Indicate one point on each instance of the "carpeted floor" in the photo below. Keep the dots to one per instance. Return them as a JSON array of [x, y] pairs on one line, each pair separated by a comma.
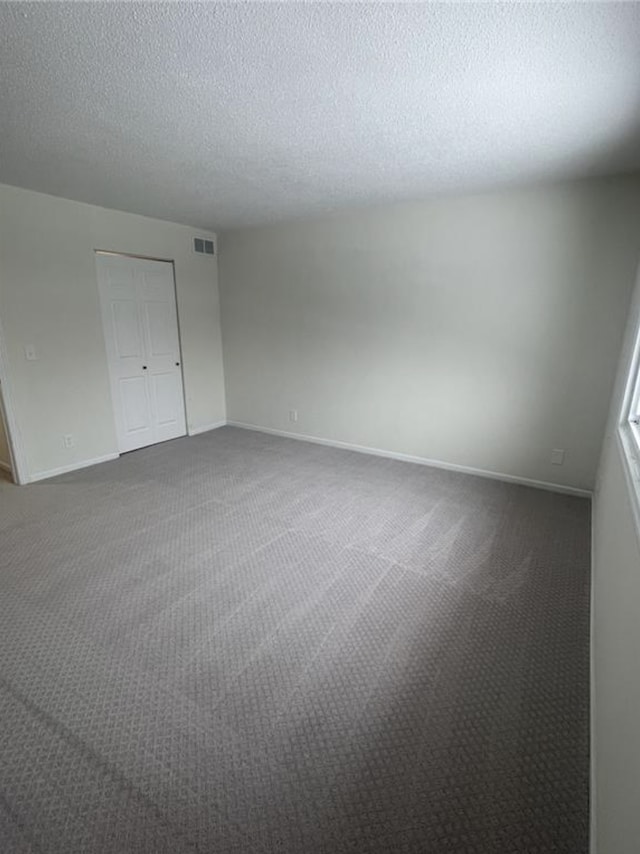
[[242, 643]]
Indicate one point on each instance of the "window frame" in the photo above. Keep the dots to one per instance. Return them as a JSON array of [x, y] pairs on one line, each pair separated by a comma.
[[628, 431]]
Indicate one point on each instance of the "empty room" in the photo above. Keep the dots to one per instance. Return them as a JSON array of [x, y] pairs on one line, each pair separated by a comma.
[[319, 428]]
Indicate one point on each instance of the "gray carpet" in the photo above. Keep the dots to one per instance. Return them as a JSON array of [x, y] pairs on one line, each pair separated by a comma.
[[242, 643]]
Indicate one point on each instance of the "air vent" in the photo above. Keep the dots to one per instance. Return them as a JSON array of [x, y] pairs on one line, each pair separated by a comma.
[[203, 246]]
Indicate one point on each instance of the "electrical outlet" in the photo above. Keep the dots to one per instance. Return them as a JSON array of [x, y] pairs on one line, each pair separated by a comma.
[[557, 456], [293, 415], [69, 440]]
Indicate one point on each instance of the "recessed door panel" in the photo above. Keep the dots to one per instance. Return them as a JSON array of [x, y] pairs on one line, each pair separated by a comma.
[[167, 395], [161, 325], [126, 328], [135, 404]]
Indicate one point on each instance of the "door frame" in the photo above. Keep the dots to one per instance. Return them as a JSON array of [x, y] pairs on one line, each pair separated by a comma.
[[115, 254], [17, 453]]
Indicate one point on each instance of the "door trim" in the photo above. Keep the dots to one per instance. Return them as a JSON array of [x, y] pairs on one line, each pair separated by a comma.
[[139, 257]]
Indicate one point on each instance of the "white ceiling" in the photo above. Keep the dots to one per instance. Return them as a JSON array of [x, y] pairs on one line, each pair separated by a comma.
[[227, 115]]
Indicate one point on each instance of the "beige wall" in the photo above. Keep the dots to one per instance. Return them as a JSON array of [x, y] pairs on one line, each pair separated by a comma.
[[616, 639], [49, 299], [481, 331]]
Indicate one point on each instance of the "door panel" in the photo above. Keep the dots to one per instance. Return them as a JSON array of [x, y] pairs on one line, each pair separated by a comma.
[[126, 328], [160, 325], [135, 404], [143, 349], [166, 394]]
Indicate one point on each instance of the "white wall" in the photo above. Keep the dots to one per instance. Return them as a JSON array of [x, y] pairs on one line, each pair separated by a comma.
[[616, 639], [481, 331], [49, 299]]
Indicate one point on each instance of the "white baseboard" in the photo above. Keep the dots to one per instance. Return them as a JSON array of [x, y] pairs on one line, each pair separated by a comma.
[[5, 466], [83, 464], [44, 475], [348, 446], [194, 431], [423, 461]]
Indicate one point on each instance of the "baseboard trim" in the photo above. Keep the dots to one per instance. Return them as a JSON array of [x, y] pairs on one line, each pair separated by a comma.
[[195, 431], [422, 461], [5, 466], [44, 475]]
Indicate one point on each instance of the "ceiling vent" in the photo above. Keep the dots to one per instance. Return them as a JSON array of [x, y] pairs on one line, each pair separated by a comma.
[[203, 246]]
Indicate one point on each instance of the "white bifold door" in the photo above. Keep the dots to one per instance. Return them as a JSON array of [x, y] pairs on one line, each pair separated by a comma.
[[140, 321]]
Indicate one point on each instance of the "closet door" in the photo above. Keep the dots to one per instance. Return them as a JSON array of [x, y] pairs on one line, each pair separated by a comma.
[[156, 299], [140, 324]]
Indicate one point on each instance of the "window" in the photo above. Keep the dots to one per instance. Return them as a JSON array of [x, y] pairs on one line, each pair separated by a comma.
[[629, 426], [631, 407]]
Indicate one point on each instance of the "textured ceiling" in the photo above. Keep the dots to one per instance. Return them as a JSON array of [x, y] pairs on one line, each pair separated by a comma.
[[226, 115]]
